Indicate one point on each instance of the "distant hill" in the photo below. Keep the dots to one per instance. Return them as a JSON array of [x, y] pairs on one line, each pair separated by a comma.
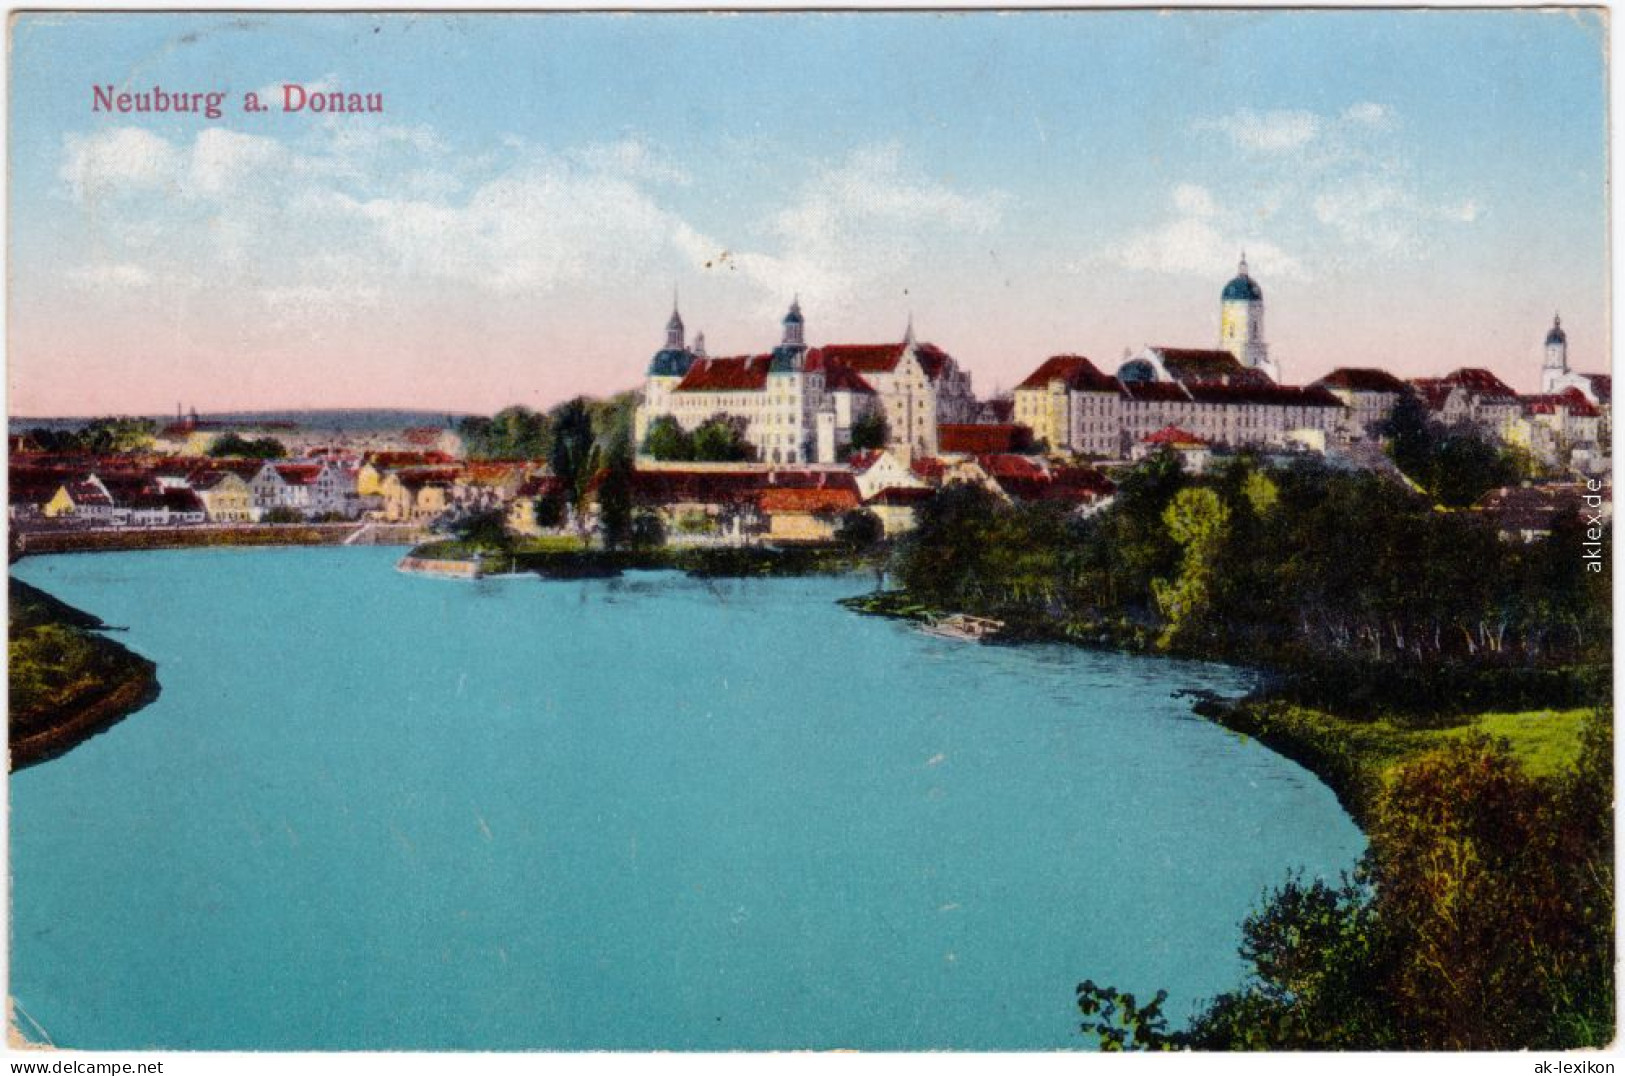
[[319, 419]]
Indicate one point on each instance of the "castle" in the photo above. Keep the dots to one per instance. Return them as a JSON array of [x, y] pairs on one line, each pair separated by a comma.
[[800, 403]]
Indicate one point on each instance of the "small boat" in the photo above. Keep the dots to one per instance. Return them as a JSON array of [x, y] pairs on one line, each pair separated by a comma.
[[972, 629]]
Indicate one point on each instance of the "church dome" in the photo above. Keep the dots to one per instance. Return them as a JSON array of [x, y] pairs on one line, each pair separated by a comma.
[[1556, 336], [794, 316], [1243, 289]]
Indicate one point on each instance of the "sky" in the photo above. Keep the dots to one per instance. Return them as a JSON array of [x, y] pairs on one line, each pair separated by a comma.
[[1413, 190]]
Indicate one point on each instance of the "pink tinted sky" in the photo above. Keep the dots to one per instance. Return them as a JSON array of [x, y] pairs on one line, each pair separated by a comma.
[[1423, 213]]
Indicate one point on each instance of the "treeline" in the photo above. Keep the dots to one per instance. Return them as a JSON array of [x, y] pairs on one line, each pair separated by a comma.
[[519, 433], [1480, 918], [101, 437], [1342, 580], [1455, 463]]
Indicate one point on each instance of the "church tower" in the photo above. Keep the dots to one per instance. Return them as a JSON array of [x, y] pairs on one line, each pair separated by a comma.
[[1241, 323], [790, 355], [1556, 364]]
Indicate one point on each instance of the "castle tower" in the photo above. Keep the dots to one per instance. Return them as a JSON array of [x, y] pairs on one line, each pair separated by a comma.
[[794, 326], [674, 328], [791, 354], [1241, 322], [1556, 362]]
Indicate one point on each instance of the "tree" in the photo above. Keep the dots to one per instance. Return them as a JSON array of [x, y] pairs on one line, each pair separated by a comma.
[[860, 529], [615, 494], [647, 531], [512, 433], [869, 430], [1198, 522], [571, 456], [1481, 918], [234, 445], [667, 440], [485, 532], [721, 439]]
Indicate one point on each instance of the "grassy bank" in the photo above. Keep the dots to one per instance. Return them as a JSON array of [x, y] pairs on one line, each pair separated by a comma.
[[1355, 757], [67, 682]]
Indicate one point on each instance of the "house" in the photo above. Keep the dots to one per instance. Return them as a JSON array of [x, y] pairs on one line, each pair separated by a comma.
[[1193, 452], [807, 514], [880, 469], [1368, 394], [521, 511], [417, 494], [897, 507], [225, 497], [1069, 404]]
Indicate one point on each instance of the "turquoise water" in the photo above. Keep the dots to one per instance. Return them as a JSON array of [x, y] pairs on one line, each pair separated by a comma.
[[373, 810]]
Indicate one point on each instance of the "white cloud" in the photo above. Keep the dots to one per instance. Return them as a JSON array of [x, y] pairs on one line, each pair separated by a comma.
[[222, 161], [1201, 239], [1369, 114], [1269, 132], [860, 221], [123, 159]]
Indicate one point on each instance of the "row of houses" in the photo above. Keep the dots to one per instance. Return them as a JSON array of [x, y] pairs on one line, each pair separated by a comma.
[[395, 487]]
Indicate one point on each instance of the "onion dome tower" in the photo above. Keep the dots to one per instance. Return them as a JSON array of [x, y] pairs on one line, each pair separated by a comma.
[[1241, 322]]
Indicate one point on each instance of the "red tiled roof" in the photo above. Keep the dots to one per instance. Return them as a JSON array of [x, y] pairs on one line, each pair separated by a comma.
[[1271, 394], [976, 439], [1571, 399], [1007, 465], [817, 499], [389, 460], [863, 460], [881, 358], [742, 373], [902, 495], [298, 474], [1206, 365], [1173, 435], [928, 467], [838, 376], [1479, 381], [1075, 371], [1160, 391], [1362, 379]]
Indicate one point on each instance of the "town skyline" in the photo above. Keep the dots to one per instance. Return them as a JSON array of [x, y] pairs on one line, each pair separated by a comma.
[[497, 238]]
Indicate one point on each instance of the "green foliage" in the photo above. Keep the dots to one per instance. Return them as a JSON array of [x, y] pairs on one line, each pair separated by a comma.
[[102, 436], [869, 430], [667, 440], [721, 439], [232, 445], [1199, 522], [647, 531], [615, 494], [56, 663], [282, 515], [860, 529], [485, 532], [514, 433], [1481, 918], [1119, 1022], [1456, 464], [571, 455]]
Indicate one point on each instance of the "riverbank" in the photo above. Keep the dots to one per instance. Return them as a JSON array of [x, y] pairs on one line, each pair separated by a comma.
[[566, 558], [1351, 754], [1355, 758], [67, 682], [128, 539]]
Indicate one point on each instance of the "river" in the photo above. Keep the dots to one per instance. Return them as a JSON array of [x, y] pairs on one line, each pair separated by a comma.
[[378, 811]]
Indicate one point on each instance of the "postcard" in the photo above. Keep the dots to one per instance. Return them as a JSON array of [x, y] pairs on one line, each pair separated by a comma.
[[978, 531]]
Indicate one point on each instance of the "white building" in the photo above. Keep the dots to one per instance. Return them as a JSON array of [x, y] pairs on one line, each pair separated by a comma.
[[799, 403]]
